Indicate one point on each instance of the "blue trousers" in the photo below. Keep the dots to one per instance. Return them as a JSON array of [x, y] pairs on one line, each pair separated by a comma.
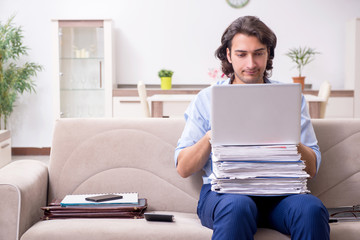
[[236, 216]]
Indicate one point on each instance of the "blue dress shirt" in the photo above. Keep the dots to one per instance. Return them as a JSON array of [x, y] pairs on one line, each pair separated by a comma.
[[197, 117]]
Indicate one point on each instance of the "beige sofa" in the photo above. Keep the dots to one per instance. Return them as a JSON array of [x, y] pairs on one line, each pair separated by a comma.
[[125, 155]]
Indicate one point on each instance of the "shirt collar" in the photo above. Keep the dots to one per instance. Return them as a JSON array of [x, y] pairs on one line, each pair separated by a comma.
[[227, 81]]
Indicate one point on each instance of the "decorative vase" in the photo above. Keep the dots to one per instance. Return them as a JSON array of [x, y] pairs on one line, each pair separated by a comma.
[[165, 83], [300, 80]]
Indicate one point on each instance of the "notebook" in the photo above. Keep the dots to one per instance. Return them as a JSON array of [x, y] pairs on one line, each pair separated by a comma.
[[73, 200], [255, 114]]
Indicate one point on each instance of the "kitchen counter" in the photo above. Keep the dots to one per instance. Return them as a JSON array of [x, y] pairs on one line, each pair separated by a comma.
[[125, 90], [334, 93]]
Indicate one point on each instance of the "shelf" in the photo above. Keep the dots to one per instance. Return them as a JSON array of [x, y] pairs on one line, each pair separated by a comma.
[[157, 86], [82, 89], [89, 58]]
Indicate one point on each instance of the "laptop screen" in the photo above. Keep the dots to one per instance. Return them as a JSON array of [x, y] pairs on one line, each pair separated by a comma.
[[256, 114]]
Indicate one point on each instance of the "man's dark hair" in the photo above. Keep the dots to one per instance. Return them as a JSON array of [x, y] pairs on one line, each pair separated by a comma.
[[251, 26]]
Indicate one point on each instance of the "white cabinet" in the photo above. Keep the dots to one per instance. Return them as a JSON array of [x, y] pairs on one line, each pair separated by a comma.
[[165, 105], [127, 107], [5, 148], [340, 107], [170, 105], [175, 109], [83, 68]]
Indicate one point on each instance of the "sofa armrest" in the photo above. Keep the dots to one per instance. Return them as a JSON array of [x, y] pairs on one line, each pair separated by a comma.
[[23, 190]]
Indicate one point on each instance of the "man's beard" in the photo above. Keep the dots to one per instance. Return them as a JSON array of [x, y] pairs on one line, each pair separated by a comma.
[[250, 80]]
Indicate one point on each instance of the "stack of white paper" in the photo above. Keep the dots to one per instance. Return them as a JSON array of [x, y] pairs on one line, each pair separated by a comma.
[[258, 170]]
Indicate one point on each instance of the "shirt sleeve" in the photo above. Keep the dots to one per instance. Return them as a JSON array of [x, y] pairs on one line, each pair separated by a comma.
[[197, 123], [308, 137]]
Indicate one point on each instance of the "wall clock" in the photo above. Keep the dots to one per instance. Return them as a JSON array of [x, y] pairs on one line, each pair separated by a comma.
[[237, 3]]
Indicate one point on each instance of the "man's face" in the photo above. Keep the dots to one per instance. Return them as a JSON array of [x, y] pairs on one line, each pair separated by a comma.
[[248, 57]]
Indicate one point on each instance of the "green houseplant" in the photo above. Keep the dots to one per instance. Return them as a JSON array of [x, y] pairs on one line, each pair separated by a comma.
[[15, 78], [301, 56], [165, 76]]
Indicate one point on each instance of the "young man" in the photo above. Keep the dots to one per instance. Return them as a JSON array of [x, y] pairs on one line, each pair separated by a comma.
[[246, 52]]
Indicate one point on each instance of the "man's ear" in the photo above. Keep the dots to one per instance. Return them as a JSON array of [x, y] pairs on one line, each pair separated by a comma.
[[228, 55]]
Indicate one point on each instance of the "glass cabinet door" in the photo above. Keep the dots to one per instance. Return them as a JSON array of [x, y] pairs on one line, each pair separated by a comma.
[[81, 68]]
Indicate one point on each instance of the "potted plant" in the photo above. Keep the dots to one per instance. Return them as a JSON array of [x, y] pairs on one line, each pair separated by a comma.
[[165, 76], [14, 78], [301, 57]]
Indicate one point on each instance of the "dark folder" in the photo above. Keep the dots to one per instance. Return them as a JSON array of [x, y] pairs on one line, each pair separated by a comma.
[[56, 211]]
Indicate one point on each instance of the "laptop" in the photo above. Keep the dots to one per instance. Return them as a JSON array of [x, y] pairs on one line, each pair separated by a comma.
[[256, 114]]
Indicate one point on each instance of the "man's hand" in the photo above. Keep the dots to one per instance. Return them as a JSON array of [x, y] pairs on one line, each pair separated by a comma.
[[194, 158], [309, 157]]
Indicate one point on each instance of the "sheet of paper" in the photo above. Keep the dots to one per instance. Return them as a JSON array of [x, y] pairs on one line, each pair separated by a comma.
[[258, 170], [128, 198]]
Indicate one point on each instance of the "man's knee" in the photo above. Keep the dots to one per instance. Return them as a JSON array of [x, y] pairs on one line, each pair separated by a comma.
[[309, 219], [237, 207], [308, 208], [315, 209]]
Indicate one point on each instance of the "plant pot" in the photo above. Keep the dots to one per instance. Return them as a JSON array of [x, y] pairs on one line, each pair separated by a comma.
[[165, 83], [300, 80]]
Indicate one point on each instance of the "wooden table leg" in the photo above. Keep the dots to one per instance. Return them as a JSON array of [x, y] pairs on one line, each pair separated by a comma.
[[314, 109], [157, 109]]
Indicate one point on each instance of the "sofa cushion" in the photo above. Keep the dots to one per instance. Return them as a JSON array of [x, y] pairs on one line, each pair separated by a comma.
[[345, 230], [110, 155], [337, 181], [186, 226]]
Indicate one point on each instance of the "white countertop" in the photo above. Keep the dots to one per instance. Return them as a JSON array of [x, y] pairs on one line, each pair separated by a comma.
[[4, 134], [172, 97], [313, 98]]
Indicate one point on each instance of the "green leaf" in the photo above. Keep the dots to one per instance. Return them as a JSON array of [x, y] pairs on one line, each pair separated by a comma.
[[15, 78], [165, 73], [301, 57]]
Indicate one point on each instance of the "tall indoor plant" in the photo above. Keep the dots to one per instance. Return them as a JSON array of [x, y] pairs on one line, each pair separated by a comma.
[[301, 56], [15, 77]]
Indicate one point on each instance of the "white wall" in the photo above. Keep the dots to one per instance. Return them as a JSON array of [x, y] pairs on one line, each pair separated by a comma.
[[180, 35]]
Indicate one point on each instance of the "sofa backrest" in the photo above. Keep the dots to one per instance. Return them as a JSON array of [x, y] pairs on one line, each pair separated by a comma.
[[121, 155], [126, 155], [338, 179]]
